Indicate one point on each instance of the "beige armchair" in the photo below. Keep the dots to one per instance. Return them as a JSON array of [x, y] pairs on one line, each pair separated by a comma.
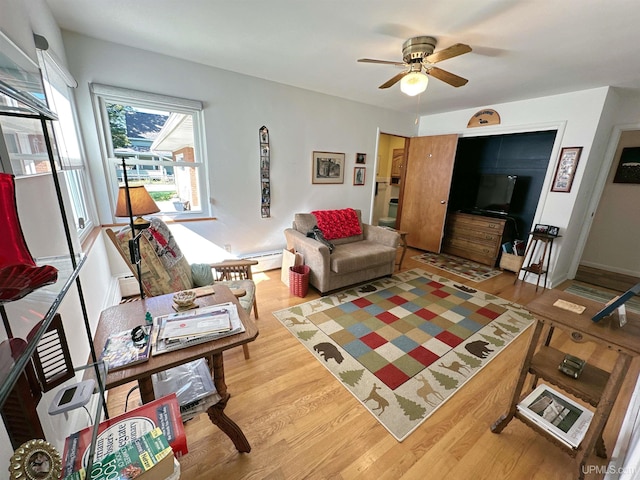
[[164, 269], [354, 259]]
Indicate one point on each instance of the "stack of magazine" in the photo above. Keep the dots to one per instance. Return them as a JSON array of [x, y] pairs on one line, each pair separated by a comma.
[[184, 329], [192, 384], [560, 416]]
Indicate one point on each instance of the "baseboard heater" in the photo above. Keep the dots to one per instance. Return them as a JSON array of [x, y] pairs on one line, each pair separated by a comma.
[[266, 260]]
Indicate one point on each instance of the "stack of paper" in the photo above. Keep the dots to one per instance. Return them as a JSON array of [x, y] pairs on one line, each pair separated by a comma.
[[180, 330], [192, 384]]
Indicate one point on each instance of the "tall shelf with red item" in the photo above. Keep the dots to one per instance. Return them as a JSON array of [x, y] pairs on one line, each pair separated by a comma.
[[34, 357]]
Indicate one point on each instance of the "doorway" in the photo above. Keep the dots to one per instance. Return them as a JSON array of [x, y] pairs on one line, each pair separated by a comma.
[[610, 259], [391, 150]]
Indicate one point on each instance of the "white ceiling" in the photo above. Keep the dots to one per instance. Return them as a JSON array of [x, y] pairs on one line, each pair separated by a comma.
[[521, 49]]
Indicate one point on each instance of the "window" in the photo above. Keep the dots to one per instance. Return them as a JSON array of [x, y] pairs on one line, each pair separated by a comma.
[[57, 85], [157, 142]]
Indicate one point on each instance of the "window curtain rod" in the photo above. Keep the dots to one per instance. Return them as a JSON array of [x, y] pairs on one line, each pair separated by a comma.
[[43, 45]]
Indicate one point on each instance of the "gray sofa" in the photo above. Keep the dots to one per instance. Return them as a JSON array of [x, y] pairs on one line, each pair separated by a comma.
[[354, 259]]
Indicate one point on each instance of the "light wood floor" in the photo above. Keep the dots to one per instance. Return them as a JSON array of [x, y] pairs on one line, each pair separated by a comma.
[[302, 423]]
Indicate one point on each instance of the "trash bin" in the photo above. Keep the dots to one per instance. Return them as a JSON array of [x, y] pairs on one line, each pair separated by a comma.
[[299, 280]]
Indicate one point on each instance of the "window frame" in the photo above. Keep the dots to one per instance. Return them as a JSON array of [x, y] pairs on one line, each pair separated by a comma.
[[55, 77], [102, 94]]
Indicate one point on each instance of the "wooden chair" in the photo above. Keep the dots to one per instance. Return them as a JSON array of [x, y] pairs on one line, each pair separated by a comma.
[[164, 269]]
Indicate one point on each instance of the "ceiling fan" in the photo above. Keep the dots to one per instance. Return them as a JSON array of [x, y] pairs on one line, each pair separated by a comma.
[[419, 59]]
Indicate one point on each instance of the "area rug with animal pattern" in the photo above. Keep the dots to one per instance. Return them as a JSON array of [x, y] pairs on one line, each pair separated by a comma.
[[462, 267], [404, 344]]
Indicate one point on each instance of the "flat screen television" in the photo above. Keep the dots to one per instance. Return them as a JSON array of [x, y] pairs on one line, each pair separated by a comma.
[[495, 192]]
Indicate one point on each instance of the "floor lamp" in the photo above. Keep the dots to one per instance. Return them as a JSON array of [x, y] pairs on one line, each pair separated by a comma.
[[135, 201]]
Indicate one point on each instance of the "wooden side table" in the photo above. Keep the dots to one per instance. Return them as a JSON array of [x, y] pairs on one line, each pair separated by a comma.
[[403, 244], [128, 315], [595, 386], [542, 267]]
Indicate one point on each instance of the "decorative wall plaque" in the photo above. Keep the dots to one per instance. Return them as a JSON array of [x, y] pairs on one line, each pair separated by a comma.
[[483, 118]]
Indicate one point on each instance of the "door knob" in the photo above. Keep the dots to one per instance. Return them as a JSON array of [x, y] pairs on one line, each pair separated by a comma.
[[442, 202]]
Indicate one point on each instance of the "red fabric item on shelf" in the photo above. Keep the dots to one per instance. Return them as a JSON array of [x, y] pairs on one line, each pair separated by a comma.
[[13, 248], [19, 274], [338, 223]]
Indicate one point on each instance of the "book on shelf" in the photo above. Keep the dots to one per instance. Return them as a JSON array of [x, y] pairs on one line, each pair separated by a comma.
[[148, 457], [116, 432], [162, 344], [120, 350], [557, 414]]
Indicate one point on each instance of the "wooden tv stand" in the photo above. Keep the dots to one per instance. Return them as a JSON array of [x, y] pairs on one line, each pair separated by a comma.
[[474, 237]]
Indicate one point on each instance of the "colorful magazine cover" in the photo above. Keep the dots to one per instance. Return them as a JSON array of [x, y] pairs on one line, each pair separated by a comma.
[[120, 351], [116, 432]]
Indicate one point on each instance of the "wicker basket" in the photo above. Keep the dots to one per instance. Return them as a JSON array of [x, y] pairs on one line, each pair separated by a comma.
[[511, 262], [299, 280]]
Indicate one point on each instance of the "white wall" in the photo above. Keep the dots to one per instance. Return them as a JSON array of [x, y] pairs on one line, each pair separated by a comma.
[[613, 240], [583, 118], [236, 106]]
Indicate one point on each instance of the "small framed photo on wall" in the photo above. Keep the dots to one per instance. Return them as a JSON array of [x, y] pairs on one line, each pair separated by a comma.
[[359, 175], [361, 158], [566, 169]]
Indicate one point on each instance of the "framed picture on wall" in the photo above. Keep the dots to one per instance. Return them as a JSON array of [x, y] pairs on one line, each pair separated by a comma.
[[628, 170], [358, 175], [566, 169], [361, 158], [327, 167]]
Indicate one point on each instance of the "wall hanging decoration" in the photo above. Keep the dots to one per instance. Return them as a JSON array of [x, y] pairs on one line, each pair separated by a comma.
[[361, 158], [566, 169], [358, 175], [265, 165], [484, 118], [629, 167], [327, 167]]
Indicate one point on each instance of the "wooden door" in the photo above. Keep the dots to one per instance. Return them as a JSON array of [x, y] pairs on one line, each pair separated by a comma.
[[425, 190]]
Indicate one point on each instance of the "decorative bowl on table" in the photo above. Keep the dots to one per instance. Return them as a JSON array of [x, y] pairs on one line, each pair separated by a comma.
[[184, 298]]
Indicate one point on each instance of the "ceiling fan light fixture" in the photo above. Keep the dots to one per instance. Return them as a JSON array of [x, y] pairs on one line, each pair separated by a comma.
[[414, 83]]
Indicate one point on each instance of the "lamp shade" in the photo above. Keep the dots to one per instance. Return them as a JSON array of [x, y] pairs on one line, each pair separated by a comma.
[[141, 202], [414, 83]]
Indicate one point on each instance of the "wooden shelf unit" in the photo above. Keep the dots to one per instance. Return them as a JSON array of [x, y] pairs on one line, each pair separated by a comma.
[[474, 237], [595, 386]]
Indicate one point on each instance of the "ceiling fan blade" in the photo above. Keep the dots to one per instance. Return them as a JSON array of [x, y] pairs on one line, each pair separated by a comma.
[[384, 62], [447, 77], [446, 53], [394, 80]]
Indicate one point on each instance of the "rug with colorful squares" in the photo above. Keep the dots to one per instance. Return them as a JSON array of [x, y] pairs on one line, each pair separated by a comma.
[[404, 344]]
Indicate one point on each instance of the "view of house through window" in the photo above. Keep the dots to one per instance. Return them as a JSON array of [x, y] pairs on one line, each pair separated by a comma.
[[155, 146]]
